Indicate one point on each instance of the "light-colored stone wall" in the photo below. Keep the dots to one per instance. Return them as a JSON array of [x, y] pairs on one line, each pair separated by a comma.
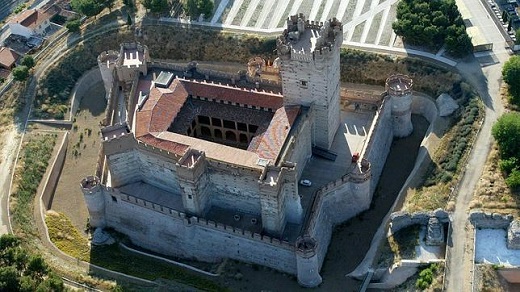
[[233, 188], [176, 235], [158, 171], [378, 144], [124, 167]]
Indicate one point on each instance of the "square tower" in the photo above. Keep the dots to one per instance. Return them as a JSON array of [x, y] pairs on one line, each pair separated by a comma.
[[309, 55]]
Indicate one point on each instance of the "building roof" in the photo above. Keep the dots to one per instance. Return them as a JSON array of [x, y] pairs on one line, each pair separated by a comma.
[[31, 18], [7, 57], [164, 104]]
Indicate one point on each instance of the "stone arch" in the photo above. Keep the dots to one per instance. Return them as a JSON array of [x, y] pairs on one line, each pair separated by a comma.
[[205, 131], [218, 134], [243, 138], [231, 136]]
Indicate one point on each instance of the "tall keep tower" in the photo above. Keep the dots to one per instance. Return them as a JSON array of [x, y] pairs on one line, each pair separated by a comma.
[[107, 63], [399, 88], [309, 66]]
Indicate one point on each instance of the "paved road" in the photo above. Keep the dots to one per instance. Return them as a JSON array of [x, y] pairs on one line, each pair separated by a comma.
[[487, 81]]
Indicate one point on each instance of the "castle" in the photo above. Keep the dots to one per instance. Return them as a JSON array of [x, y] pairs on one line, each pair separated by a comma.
[[212, 171]]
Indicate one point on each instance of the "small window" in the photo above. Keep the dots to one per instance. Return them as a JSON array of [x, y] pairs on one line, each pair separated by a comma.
[[190, 197], [114, 199], [303, 83]]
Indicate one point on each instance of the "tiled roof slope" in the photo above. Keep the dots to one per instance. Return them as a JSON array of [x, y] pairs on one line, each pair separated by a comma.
[[163, 105]]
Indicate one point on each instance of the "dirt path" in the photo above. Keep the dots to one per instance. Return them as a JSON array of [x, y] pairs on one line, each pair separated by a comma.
[[11, 142], [460, 262]]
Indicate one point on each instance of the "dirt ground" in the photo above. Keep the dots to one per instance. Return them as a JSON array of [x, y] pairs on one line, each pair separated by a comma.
[[81, 158]]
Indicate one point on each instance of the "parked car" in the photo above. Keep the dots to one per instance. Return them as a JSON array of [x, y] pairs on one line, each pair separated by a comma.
[[306, 182]]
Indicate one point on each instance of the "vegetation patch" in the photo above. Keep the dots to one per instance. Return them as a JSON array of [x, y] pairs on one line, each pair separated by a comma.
[[29, 172], [447, 162], [369, 68], [117, 259], [66, 237], [22, 271], [69, 240], [400, 245], [432, 24], [433, 272]]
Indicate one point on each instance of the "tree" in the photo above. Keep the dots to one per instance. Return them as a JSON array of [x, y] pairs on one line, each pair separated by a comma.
[[156, 6], [28, 61], [21, 73], [511, 75], [22, 272], [87, 7], [194, 8], [73, 25], [506, 132]]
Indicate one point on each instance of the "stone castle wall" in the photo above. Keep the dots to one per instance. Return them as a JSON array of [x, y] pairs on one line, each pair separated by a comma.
[[378, 143], [176, 234]]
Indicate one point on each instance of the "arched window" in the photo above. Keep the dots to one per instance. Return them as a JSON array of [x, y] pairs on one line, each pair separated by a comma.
[[205, 131], [218, 134], [243, 138], [230, 136]]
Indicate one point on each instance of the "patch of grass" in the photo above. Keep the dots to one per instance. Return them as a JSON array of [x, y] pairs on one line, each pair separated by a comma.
[[400, 245], [30, 170], [433, 272], [117, 259], [447, 162], [66, 237], [69, 240], [370, 68]]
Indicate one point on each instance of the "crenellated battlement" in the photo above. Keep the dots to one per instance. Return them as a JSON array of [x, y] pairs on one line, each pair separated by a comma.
[[196, 221], [399, 85], [306, 40]]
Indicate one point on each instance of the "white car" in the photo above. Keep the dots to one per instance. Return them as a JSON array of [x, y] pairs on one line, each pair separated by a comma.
[[306, 182]]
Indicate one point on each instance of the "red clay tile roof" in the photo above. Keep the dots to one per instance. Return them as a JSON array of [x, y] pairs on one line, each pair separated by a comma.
[[232, 94], [269, 144], [163, 105], [7, 57], [31, 18]]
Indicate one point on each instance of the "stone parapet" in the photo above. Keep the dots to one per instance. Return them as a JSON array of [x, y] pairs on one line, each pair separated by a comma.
[[489, 220], [401, 219]]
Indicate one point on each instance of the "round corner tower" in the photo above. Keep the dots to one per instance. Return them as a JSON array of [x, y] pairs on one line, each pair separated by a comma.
[[307, 262], [93, 193], [107, 63], [399, 88], [309, 54], [361, 178]]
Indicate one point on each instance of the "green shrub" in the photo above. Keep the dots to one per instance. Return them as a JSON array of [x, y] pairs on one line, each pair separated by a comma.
[[513, 180], [508, 165]]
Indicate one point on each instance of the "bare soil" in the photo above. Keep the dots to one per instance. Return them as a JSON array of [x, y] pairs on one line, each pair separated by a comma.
[[488, 279], [492, 193], [82, 154]]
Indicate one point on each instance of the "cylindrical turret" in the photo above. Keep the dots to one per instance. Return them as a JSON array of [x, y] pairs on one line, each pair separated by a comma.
[[361, 179], [107, 63], [307, 262], [93, 193], [399, 88]]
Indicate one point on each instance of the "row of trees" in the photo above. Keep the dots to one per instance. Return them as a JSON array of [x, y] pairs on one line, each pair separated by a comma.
[[433, 23], [91, 7], [193, 8], [506, 131], [21, 271]]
